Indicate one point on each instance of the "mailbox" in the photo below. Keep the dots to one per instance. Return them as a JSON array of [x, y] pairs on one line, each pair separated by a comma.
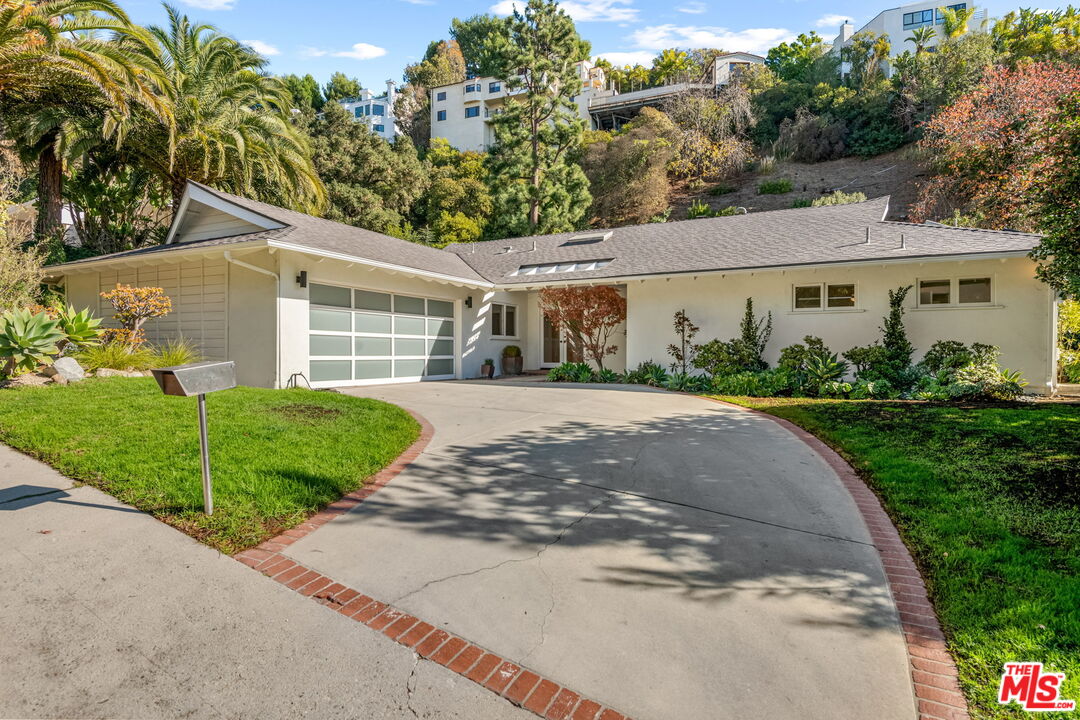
[[197, 378]]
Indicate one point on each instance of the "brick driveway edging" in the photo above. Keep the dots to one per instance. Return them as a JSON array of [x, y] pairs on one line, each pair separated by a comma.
[[933, 670], [517, 684]]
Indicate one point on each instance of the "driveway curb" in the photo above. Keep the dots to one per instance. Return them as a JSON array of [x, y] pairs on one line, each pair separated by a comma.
[[933, 670], [520, 686]]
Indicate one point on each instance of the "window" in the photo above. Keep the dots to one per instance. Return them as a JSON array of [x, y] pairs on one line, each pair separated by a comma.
[[440, 95], [824, 296], [358, 111], [473, 111], [586, 239], [380, 128], [474, 87], [440, 115], [919, 17], [378, 110], [955, 291], [503, 320], [494, 87]]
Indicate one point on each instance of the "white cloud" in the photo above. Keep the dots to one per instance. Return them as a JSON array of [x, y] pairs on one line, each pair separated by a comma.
[[264, 49], [831, 20], [755, 40], [211, 4], [693, 8], [362, 51], [582, 10], [419, 2], [313, 52], [633, 57]]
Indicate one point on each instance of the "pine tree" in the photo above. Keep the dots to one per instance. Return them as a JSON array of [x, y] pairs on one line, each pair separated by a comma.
[[538, 188]]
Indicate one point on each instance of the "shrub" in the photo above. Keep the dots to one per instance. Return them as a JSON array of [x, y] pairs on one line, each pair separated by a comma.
[[744, 353], [834, 389], [821, 371], [872, 390], [721, 190], [698, 209], [684, 352], [134, 306], [889, 359], [511, 351], [947, 355], [117, 356], [766, 164], [1069, 340], [608, 376], [875, 139], [27, 340], [794, 357], [571, 372], [802, 203], [775, 187], [179, 351], [839, 198], [765, 383], [647, 373], [684, 382], [987, 382]]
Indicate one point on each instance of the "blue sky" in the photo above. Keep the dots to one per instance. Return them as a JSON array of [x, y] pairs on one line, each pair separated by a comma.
[[374, 39]]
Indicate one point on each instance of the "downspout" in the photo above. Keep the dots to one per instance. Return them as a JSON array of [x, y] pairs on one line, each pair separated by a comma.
[[277, 311]]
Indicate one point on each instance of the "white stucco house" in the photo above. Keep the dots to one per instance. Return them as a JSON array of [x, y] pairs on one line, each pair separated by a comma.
[[287, 295], [375, 111]]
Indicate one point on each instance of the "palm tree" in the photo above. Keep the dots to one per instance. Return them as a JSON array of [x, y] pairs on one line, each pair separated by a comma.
[[922, 37], [232, 130], [954, 21], [670, 64], [62, 88]]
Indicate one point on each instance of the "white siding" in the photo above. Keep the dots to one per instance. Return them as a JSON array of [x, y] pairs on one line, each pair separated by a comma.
[[210, 223]]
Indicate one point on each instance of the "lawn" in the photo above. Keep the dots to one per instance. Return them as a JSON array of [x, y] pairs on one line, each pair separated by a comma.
[[276, 456], [988, 501]]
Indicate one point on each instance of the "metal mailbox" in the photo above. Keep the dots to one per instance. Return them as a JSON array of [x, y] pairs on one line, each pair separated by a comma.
[[199, 379]]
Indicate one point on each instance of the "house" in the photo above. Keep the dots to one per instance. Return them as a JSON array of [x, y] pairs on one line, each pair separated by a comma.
[[287, 295], [462, 112], [377, 112], [899, 22]]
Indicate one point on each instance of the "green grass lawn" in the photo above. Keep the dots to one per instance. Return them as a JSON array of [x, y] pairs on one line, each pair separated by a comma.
[[988, 501], [276, 456]]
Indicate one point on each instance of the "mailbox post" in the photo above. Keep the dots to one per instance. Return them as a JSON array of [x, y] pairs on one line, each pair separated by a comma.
[[199, 379]]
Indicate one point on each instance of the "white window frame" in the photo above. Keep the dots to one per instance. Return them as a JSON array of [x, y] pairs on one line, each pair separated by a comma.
[[471, 108], [824, 294], [954, 292], [517, 322]]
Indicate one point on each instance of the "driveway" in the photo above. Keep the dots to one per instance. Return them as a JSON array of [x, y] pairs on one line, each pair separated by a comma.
[[664, 555]]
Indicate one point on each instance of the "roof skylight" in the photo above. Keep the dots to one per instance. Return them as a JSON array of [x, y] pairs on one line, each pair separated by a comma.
[[586, 239], [565, 267]]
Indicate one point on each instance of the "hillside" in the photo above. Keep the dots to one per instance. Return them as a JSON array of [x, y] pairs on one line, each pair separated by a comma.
[[895, 174]]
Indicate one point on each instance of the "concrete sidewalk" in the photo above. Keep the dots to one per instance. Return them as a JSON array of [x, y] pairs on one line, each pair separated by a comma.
[[108, 613]]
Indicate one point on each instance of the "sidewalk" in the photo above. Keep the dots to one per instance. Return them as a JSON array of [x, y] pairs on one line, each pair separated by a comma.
[[106, 612]]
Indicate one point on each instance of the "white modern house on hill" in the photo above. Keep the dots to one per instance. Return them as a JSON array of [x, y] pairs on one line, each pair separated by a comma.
[[462, 112], [377, 112], [286, 295], [899, 22]]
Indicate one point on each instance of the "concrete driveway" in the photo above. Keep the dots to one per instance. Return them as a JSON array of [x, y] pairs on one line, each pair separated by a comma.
[[662, 554]]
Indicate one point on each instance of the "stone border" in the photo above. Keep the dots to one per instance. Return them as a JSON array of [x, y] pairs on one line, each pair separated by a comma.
[[933, 671], [519, 685]]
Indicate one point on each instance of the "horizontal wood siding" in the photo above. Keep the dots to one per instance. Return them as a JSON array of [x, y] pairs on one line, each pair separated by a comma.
[[209, 223], [198, 290]]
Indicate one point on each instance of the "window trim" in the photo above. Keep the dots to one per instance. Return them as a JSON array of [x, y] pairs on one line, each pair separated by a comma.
[[954, 292], [440, 96], [473, 109], [823, 288], [494, 87], [440, 116], [491, 324]]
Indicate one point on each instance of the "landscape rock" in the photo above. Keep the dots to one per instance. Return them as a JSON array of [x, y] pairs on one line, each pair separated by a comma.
[[110, 372], [68, 367], [59, 379]]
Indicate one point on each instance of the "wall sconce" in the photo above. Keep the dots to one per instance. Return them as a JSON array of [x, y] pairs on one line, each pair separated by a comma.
[[468, 302], [301, 279]]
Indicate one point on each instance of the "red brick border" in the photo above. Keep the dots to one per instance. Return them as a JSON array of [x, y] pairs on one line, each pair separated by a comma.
[[933, 671], [520, 686]]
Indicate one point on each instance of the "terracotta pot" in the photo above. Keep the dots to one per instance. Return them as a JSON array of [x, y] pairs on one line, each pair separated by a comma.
[[512, 365], [487, 371]]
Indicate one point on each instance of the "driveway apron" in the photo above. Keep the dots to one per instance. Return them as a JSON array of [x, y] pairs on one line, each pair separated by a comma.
[[665, 555]]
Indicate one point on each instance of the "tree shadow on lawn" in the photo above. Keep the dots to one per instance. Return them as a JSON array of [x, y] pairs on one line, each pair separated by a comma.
[[700, 505]]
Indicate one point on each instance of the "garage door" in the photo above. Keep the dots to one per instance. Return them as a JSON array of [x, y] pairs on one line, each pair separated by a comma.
[[363, 336]]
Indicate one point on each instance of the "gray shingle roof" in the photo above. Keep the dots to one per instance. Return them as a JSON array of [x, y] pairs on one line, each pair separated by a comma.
[[779, 238]]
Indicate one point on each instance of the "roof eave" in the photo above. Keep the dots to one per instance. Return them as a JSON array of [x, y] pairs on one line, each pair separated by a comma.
[[180, 252]]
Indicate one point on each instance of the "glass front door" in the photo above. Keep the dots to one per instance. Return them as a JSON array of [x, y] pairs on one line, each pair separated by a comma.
[[556, 350]]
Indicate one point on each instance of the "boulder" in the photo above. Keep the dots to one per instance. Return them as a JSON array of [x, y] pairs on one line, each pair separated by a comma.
[[68, 367], [109, 372], [59, 379]]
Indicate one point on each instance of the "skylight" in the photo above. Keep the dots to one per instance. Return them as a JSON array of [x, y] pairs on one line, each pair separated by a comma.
[[565, 267], [586, 239]]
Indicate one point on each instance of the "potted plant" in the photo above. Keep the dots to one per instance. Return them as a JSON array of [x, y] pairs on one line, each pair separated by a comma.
[[487, 369], [511, 360]]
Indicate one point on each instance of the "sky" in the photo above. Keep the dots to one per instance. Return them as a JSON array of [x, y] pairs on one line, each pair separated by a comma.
[[373, 40]]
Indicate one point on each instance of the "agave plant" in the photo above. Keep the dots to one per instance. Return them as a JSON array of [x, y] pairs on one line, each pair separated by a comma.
[[28, 340], [80, 328], [608, 376]]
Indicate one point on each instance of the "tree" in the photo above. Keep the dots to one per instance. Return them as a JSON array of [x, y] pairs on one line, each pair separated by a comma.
[[305, 92], [628, 170], [589, 316], [712, 131], [921, 38], [538, 188], [341, 87], [232, 127], [671, 65], [457, 203], [480, 38], [63, 89], [133, 306], [20, 264], [754, 335], [954, 21], [1057, 200], [867, 53], [443, 64], [369, 182], [684, 352], [1028, 35], [800, 60], [989, 147]]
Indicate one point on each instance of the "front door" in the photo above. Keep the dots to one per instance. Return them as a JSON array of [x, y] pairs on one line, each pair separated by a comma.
[[557, 348]]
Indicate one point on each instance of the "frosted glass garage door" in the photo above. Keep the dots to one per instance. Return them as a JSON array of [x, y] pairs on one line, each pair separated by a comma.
[[364, 336]]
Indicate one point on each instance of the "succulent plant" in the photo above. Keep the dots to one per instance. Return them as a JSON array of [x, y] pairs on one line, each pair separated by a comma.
[[80, 328], [28, 340]]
